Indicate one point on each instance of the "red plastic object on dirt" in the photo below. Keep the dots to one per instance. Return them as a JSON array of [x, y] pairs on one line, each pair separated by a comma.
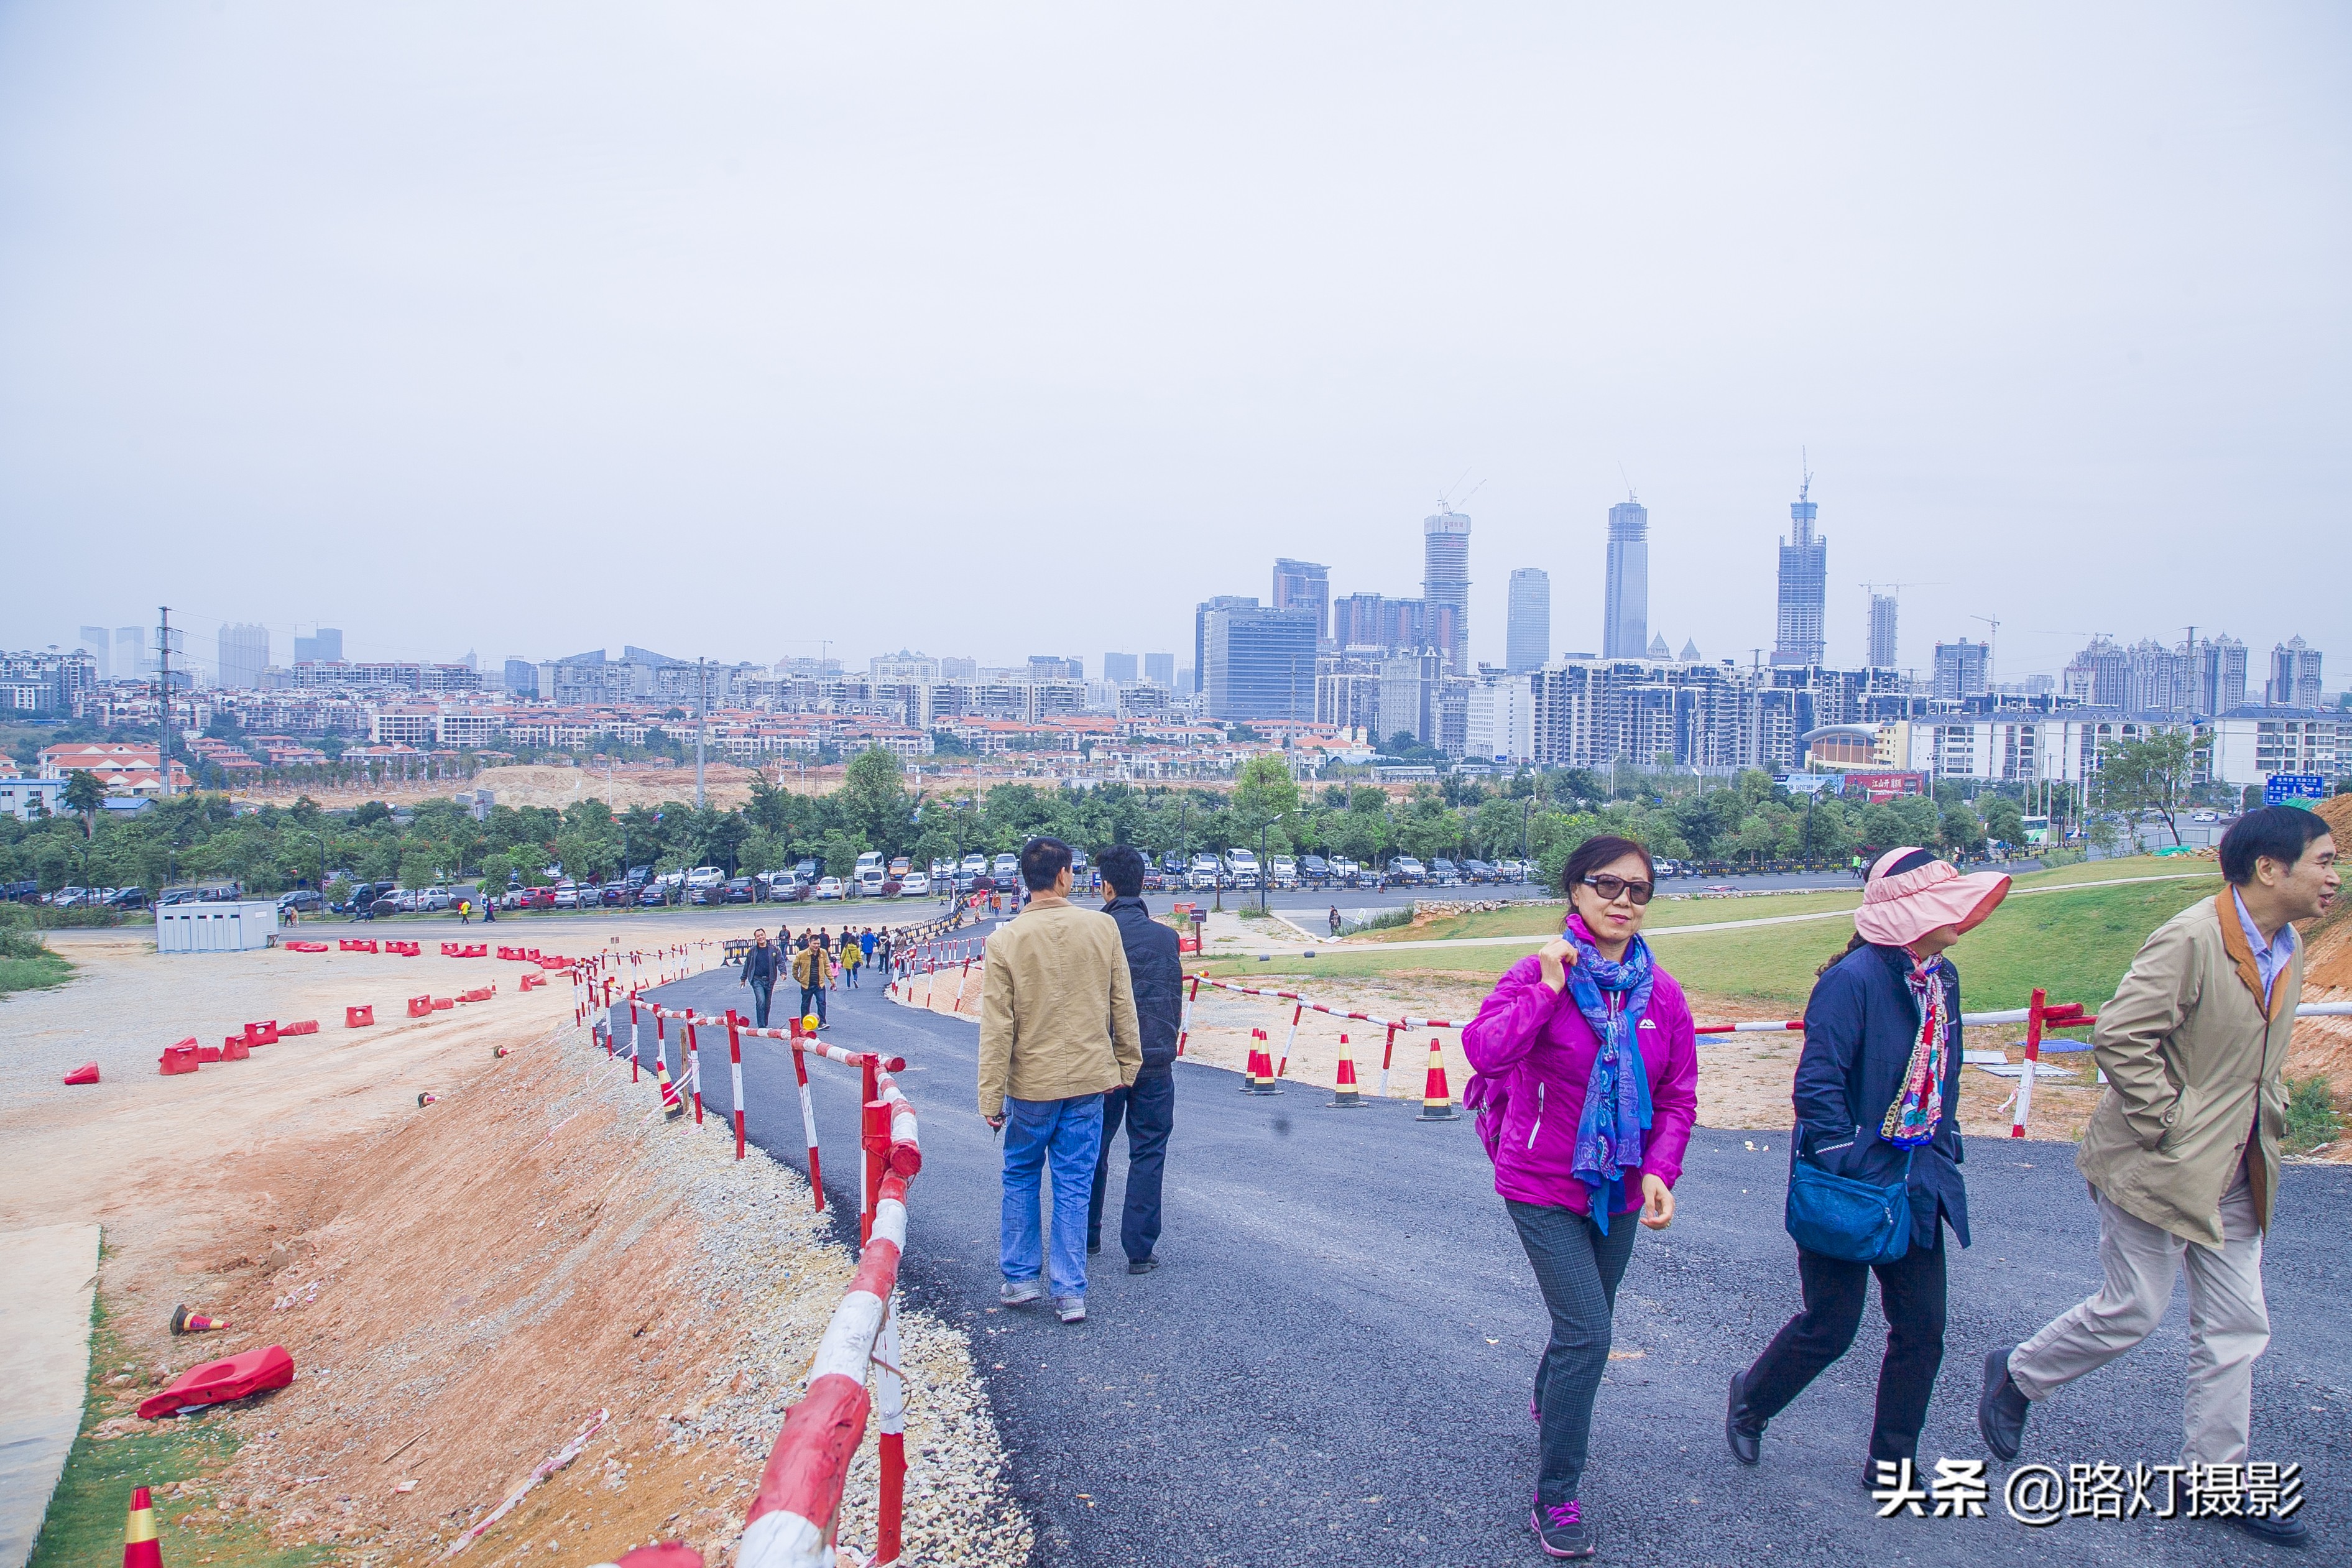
[[444, 1004], [531, 982], [418, 1007], [359, 1017], [261, 1034], [234, 1050], [307, 1027], [86, 1073], [254, 1371], [662, 1554], [208, 1053], [306, 947], [181, 1057]]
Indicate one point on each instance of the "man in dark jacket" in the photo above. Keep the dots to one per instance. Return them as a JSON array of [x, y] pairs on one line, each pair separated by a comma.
[[1149, 1106], [763, 967]]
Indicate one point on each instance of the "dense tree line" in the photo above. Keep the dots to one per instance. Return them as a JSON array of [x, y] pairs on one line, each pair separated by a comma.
[[200, 837]]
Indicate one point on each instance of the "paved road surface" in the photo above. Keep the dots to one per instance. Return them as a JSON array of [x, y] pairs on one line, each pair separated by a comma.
[[1333, 1363]]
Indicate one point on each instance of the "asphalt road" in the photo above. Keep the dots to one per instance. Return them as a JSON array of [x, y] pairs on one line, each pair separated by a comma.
[[1333, 1363]]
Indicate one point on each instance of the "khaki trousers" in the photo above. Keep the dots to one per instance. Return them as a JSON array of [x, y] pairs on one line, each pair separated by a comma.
[[2228, 1324]]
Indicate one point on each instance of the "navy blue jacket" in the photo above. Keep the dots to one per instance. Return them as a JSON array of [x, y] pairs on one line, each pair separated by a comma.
[[1157, 975], [1859, 1026]]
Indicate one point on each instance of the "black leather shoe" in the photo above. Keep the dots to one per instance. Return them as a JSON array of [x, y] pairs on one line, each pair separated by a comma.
[[1741, 1429], [2290, 1531], [1143, 1265], [2000, 1410]]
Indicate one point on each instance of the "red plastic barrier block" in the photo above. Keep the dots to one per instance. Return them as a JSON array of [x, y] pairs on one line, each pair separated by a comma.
[[306, 947], [359, 1017], [443, 1003], [181, 1057], [208, 1054], [254, 1371], [531, 981], [87, 1073], [418, 1007], [234, 1049], [307, 1027], [261, 1034]]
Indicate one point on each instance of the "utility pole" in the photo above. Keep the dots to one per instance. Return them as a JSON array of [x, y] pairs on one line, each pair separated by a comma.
[[702, 708], [163, 697]]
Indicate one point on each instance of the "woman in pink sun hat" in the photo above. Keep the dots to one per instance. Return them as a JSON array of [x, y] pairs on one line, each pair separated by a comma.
[[1877, 1088]]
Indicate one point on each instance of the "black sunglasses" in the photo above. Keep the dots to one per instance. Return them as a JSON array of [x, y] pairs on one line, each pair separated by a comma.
[[1611, 888]]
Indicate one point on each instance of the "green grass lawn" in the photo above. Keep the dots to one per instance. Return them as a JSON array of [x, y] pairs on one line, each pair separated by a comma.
[[1675, 908], [2075, 944], [87, 1512], [32, 973]]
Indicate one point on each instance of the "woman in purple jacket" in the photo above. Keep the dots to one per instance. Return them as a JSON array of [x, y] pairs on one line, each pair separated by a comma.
[[1592, 1019]]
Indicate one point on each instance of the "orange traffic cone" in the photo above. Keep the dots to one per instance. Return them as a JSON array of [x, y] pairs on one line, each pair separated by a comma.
[[1346, 1095], [672, 1106], [425, 1098], [1437, 1100], [139, 1547], [1249, 1071], [1261, 1059], [186, 1322]]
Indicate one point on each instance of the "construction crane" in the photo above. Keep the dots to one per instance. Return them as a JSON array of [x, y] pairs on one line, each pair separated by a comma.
[[1992, 648]]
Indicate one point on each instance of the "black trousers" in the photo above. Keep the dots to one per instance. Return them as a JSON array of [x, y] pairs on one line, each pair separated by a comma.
[[1149, 1111], [1911, 1294], [1577, 1268], [813, 1001]]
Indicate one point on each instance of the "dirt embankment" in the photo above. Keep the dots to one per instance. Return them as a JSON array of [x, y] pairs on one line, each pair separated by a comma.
[[464, 1286]]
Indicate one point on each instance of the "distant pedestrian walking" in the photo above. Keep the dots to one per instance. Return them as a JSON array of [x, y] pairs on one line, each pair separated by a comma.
[[811, 972], [1057, 1029], [763, 967], [1593, 1016], [853, 959], [1335, 920], [2182, 1153], [1877, 1096], [1149, 1105]]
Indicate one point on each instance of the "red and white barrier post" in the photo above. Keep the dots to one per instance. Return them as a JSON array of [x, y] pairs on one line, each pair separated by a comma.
[[692, 1061], [808, 1122], [1388, 1055], [2032, 1064], [735, 1071], [1287, 1039]]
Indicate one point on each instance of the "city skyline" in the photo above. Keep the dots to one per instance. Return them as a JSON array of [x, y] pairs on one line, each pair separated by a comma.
[[671, 299]]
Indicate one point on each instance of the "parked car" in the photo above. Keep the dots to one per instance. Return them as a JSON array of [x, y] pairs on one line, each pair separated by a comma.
[[652, 895], [829, 888], [567, 896], [1314, 870], [972, 866], [1006, 869], [303, 901], [870, 880], [1406, 869], [1283, 869], [1205, 872], [899, 866], [915, 885], [1444, 872]]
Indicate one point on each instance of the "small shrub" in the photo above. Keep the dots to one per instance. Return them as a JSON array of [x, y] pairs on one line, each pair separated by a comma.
[[1382, 920], [17, 942], [2052, 859], [2312, 1118]]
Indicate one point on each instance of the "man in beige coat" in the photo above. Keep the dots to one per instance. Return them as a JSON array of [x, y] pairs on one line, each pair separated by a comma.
[[1058, 1030], [2182, 1153]]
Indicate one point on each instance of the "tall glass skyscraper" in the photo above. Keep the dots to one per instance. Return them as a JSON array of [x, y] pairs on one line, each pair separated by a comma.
[[244, 655], [1625, 598], [1445, 581], [1529, 643], [1804, 585]]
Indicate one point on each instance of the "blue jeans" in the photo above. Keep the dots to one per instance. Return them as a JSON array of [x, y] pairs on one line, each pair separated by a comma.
[[761, 992], [1063, 1136]]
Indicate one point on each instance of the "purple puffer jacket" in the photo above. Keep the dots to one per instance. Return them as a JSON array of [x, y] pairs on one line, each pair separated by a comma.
[[1537, 1043]]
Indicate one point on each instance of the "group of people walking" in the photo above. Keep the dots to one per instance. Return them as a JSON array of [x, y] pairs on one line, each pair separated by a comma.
[[2180, 1157], [821, 960]]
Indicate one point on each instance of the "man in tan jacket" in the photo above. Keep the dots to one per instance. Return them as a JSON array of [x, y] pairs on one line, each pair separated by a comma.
[[2182, 1153], [1058, 1030]]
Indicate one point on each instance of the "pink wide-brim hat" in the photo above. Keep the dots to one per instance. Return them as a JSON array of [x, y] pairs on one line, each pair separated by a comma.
[[1898, 911]]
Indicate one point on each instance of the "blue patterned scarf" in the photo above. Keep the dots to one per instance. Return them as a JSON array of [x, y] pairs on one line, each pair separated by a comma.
[[1617, 1091]]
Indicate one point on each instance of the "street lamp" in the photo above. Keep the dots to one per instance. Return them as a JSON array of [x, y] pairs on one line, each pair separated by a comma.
[[1262, 829]]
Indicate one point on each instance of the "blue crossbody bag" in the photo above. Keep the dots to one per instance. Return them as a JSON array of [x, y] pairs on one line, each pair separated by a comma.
[[1838, 1216]]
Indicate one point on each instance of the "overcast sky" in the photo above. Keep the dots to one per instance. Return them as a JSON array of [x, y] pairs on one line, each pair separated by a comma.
[[1001, 330]]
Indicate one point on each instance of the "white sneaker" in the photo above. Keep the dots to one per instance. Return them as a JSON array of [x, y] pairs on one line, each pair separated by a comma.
[[1071, 1309], [1021, 1294]]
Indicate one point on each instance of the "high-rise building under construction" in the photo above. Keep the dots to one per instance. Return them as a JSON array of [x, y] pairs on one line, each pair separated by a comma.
[[1625, 595], [1800, 637], [1882, 631], [1445, 580]]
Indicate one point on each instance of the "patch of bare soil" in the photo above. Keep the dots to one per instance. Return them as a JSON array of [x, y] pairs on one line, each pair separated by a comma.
[[464, 1286]]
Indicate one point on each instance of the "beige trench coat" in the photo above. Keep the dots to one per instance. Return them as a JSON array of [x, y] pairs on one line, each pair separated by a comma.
[[2194, 1066]]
